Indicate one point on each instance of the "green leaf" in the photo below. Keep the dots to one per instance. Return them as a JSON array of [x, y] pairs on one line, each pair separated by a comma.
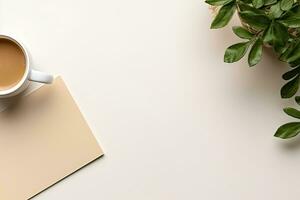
[[292, 112], [218, 2], [291, 74], [224, 15], [281, 37], [292, 53], [246, 1], [258, 3], [270, 2], [295, 54], [292, 18], [290, 88], [295, 63], [255, 52], [286, 4], [246, 7], [293, 22], [254, 19], [242, 32], [275, 11], [297, 99], [268, 36], [294, 57], [236, 52], [289, 50], [288, 130], [277, 36]]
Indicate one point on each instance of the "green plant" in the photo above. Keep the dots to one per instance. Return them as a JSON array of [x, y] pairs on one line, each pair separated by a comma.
[[291, 129], [272, 23]]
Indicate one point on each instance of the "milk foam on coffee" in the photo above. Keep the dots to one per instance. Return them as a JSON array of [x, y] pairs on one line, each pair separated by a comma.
[[12, 64]]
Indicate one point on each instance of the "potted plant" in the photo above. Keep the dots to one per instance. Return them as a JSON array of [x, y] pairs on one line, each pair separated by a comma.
[[271, 23]]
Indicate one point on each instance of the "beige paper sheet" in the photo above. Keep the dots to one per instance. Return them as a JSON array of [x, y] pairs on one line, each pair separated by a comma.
[[43, 139]]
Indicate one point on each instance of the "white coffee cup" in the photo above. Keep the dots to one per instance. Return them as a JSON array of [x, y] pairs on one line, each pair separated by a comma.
[[29, 74]]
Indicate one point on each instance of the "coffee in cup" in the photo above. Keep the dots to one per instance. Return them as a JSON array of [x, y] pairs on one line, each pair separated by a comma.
[[12, 64]]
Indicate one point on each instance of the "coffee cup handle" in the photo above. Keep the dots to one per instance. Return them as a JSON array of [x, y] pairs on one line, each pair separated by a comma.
[[40, 77]]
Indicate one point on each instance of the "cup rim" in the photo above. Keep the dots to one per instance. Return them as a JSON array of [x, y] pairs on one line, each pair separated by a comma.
[[26, 73]]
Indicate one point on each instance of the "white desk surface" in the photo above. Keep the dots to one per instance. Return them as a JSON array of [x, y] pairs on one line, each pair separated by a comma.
[[174, 120]]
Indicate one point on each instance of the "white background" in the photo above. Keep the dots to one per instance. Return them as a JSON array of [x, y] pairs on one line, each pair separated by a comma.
[[174, 121]]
